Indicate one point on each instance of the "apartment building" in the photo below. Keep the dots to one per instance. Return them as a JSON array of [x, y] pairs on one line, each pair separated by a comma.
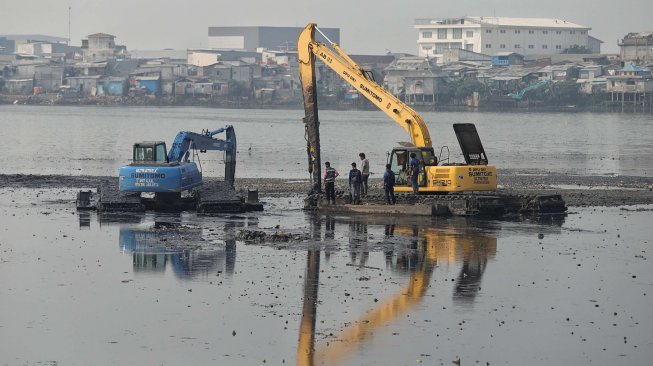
[[490, 35]]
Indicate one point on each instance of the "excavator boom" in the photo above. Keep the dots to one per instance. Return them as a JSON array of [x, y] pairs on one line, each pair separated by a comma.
[[434, 177], [308, 49]]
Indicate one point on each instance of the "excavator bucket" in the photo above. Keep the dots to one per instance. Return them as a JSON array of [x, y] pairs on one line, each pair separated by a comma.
[[470, 143]]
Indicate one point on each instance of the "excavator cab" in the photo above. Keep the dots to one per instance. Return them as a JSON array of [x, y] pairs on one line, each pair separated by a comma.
[[400, 163], [149, 152]]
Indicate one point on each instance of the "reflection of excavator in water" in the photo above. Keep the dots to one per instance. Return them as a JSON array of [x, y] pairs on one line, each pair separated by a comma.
[[429, 248], [436, 175]]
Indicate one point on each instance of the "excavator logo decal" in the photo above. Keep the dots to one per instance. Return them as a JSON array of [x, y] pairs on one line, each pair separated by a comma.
[[371, 93]]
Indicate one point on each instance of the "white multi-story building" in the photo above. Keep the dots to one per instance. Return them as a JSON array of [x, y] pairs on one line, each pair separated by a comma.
[[490, 35]]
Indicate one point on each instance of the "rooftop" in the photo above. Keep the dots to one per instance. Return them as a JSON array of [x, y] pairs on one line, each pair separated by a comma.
[[506, 22]]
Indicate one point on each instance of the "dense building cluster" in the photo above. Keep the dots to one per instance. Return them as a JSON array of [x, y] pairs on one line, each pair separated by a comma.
[[258, 65]]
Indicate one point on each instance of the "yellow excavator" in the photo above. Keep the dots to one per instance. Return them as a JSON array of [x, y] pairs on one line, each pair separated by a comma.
[[435, 177]]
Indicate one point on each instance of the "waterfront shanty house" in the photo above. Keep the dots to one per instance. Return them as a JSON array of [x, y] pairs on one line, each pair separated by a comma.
[[149, 84], [18, 86], [631, 84], [488, 35], [114, 86], [559, 72], [507, 59], [90, 68], [84, 85], [416, 80], [504, 80], [637, 48], [167, 73], [48, 78]]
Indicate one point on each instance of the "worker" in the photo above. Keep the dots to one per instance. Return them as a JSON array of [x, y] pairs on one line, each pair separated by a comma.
[[414, 172], [365, 170], [389, 185], [330, 175], [355, 180]]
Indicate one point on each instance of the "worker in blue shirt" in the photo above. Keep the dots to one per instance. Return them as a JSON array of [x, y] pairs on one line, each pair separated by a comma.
[[414, 172], [355, 181], [389, 185]]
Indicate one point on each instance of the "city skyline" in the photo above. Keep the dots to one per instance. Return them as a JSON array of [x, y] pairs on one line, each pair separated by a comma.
[[365, 26]]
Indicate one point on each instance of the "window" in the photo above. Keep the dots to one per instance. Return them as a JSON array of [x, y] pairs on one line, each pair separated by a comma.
[[457, 33], [439, 48], [517, 46], [545, 46], [531, 46], [572, 32], [427, 34], [161, 153], [488, 31], [469, 34], [545, 32], [502, 31], [583, 32], [488, 45], [427, 48], [442, 33], [502, 46], [558, 47], [455, 45], [469, 47], [517, 31], [558, 32], [531, 32]]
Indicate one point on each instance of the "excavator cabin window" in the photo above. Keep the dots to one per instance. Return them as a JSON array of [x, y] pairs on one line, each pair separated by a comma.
[[150, 153]]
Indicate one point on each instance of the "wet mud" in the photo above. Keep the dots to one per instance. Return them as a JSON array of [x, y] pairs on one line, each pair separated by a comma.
[[285, 286], [578, 190]]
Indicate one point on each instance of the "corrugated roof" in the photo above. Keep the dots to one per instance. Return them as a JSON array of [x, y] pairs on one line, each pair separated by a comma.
[[527, 22]]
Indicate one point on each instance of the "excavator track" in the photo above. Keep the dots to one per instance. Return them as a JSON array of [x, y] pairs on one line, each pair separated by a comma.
[[212, 197], [492, 205], [218, 197]]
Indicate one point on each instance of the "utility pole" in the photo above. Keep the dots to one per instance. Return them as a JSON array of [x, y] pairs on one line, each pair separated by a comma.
[[69, 8]]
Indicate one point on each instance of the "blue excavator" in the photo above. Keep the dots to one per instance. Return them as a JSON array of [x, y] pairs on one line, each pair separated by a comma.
[[164, 180], [154, 170]]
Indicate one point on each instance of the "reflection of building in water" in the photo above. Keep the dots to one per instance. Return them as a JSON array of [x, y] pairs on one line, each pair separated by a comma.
[[427, 248], [154, 249]]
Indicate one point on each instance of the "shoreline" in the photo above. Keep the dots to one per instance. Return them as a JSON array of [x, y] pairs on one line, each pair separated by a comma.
[[577, 191], [51, 100]]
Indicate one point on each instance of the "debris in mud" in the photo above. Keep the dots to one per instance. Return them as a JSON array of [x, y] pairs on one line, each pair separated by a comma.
[[258, 236]]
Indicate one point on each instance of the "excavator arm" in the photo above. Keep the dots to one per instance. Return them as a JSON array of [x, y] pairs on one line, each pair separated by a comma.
[[308, 49], [185, 141]]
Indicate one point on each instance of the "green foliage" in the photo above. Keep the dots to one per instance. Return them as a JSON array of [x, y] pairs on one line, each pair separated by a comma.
[[463, 88], [566, 92]]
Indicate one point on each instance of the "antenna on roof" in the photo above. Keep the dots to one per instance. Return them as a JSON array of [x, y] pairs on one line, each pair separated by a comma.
[[69, 7]]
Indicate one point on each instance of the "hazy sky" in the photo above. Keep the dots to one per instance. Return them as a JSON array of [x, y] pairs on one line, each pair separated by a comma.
[[366, 26]]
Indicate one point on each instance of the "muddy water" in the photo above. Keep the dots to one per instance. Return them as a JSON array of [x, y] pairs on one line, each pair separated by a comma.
[[98, 140], [180, 289]]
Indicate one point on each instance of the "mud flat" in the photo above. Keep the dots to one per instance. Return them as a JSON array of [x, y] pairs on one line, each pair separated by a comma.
[[149, 288], [583, 191]]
